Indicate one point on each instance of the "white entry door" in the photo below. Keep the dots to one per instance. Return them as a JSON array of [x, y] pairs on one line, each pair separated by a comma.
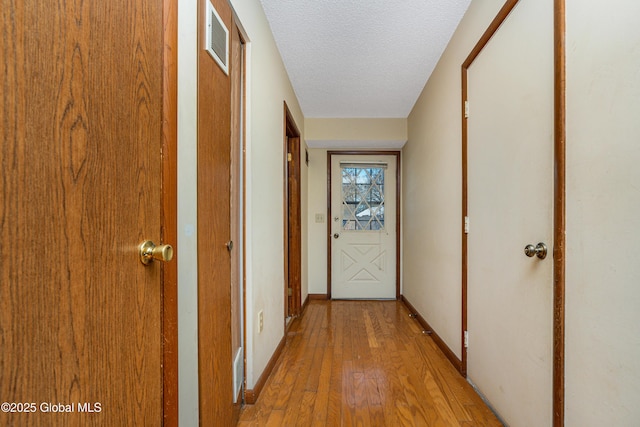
[[510, 184], [363, 226]]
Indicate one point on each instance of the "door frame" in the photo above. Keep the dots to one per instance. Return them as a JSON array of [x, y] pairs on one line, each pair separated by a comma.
[[169, 212], [398, 186], [238, 195], [292, 218], [559, 197]]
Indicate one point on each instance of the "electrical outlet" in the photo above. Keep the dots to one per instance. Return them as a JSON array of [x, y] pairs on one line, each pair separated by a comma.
[[260, 321]]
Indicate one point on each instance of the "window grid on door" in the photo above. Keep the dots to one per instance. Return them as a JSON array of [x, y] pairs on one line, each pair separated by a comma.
[[362, 198]]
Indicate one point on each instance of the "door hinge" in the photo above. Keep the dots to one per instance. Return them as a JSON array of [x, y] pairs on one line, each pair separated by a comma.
[[466, 339], [290, 292], [466, 225], [289, 157], [466, 109]]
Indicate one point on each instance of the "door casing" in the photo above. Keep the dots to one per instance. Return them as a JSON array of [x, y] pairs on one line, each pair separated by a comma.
[[237, 243]]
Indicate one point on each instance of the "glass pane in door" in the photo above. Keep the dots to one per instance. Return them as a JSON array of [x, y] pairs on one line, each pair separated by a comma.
[[362, 197]]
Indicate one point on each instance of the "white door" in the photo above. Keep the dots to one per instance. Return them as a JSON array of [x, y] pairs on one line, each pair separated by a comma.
[[363, 226], [510, 183]]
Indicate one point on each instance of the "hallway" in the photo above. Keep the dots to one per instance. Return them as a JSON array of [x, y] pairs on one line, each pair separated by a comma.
[[364, 363]]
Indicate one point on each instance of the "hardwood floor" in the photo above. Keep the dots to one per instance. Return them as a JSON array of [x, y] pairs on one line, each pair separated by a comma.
[[364, 363]]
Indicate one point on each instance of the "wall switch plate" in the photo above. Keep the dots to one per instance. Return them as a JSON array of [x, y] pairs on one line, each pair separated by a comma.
[[260, 321], [319, 218]]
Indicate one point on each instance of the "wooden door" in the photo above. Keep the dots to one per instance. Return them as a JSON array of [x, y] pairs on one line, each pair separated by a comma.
[[293, 220], [294, 225], [217, 404], [80, 166], [510, 205], [363, 226]]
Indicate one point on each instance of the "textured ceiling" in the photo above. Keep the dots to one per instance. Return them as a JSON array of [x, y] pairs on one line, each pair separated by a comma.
[[361, 58]]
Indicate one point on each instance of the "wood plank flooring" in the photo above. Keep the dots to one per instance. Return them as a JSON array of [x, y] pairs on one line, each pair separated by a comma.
[[364, 363]]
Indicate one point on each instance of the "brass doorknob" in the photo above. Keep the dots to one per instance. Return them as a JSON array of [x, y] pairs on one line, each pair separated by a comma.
[[149, 251], [540, 250]]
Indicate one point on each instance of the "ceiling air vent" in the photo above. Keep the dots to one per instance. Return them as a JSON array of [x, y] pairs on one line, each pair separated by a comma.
[[217, 38]]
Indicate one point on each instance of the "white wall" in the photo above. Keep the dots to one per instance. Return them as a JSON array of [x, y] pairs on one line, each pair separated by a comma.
[[603, 214], [432, 181], [385, 133], [267, 87], [317, 231]]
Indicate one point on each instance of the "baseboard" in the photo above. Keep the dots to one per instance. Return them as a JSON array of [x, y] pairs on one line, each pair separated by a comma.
[[318, 297], [251, 395], [305, 304], [436, 338]]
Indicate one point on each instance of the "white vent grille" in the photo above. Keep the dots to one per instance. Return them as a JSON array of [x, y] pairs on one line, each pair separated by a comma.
[[217, 43]]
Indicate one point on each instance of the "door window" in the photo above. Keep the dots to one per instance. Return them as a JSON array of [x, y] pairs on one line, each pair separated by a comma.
[[362, 196]]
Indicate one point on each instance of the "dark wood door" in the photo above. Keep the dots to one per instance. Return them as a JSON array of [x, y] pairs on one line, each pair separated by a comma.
[[294, 226], [80, 176], [293, 222]]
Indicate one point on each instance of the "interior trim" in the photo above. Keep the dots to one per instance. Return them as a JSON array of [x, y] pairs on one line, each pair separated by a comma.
[[237, 62], [559, 211], [244, 200], [398, 190]]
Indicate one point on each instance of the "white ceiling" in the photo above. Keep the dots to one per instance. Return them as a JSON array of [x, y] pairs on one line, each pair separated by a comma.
[[361, 58]]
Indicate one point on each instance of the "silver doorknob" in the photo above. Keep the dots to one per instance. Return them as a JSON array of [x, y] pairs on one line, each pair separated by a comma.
[[149, 251], [336, 235], [540, 250]]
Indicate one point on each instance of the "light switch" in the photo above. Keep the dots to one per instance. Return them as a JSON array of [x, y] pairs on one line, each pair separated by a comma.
[[319, 217]]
